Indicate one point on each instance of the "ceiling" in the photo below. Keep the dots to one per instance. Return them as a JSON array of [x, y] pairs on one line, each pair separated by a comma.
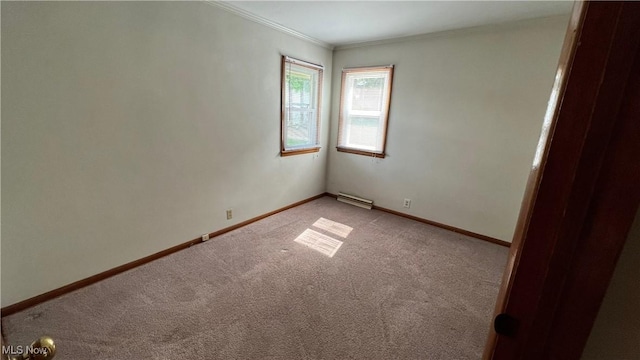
[[345, 22]]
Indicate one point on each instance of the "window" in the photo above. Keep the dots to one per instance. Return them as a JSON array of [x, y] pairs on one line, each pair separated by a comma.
[[364, 110], [301, 96]]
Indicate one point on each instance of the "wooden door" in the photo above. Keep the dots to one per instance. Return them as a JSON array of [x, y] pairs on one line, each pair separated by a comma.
[[583, 191]]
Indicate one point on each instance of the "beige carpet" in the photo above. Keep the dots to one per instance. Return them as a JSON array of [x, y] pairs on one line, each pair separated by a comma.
[[394, 289]]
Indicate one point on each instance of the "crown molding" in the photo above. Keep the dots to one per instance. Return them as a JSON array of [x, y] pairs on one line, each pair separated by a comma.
[[447, 33], [266, 22]]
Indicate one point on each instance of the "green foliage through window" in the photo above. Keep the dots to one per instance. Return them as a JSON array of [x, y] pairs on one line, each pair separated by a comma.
[[369, 82], [301, 86]]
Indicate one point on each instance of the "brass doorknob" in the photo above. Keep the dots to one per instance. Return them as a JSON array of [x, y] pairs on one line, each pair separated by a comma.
[[47, 349], [41, 349]]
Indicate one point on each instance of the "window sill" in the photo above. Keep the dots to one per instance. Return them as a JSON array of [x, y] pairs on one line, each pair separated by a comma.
[[299, 151], [361, 152]]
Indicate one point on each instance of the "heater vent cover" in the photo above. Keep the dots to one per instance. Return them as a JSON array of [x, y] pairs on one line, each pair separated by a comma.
[[354, 200]]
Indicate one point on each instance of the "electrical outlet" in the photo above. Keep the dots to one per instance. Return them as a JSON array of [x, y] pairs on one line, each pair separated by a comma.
[[407, 203], [205, 237], [229, 214]]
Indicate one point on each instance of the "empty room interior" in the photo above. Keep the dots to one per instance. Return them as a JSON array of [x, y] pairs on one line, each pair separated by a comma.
[[273, 180]]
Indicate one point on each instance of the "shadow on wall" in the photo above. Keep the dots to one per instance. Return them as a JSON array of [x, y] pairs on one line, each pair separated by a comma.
[[616, 333]]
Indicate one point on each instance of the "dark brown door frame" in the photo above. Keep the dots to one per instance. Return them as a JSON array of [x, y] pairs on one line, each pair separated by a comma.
[[583, 190]]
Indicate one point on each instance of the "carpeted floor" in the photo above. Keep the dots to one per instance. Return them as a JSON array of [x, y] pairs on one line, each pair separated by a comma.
[[395, 289]]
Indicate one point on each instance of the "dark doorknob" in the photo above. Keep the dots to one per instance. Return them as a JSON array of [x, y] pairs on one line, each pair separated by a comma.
[[505, 325]]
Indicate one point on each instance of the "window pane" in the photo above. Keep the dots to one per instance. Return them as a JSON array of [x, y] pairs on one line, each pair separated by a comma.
[[300, 129], [362, 132], [301, 86], [364, 109], [299, 90], [367, 93]]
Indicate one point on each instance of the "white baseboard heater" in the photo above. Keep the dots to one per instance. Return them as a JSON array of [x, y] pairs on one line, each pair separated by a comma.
[[354, 200]]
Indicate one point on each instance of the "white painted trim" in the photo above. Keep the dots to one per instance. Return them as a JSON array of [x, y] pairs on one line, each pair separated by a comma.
[[303, 63], [445, 33], [260, 20]]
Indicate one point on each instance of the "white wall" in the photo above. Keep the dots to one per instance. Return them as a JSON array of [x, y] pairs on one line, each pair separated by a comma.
[[616, 332], [128, 128], [466, 113]]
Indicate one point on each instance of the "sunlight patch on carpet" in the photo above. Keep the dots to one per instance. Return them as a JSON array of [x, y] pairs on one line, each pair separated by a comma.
[[333, 227], [319, 242]]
